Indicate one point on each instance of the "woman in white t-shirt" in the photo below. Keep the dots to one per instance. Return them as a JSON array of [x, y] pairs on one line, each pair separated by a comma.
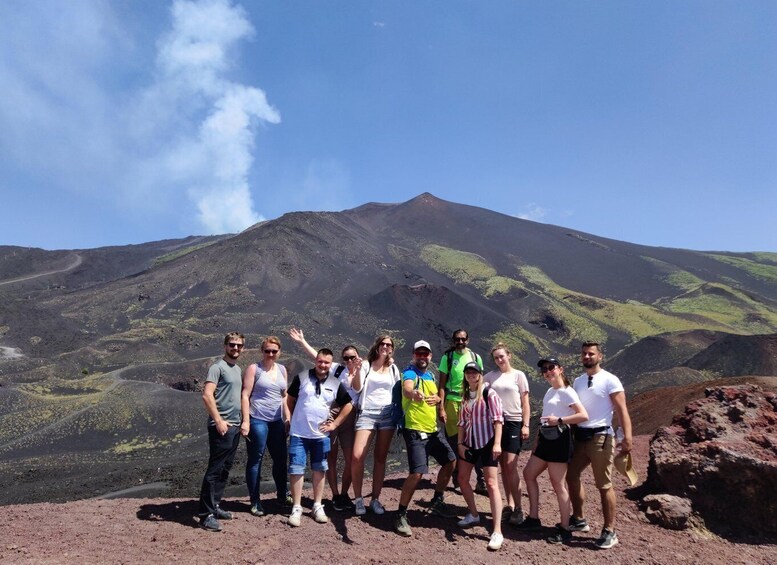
[[374, 383], [560, 407], [513, 389]]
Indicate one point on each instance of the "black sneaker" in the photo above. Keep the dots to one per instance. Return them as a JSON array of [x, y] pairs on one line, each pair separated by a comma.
[[481, 488], [223, 514], [561, 535], [210, 523], [338, 502], [439, 508], [578, 525], [284, 500], [256, 509], [530, 523], [607, 539]]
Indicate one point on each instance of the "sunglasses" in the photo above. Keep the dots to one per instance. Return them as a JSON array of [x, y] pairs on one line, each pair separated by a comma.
[[385, 344], [549, 368], [347, 358], [461, 339], [271, 351], [235, 345], [590, 380]]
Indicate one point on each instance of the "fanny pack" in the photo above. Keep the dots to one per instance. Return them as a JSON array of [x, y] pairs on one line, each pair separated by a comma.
[[585, 434], [552, 433]]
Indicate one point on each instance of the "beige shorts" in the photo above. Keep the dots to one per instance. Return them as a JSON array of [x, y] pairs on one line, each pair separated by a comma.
[[452, 408], [598, 452]]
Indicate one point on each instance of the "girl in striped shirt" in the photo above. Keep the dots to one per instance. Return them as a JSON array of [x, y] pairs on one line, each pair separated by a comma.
[[480, 440]]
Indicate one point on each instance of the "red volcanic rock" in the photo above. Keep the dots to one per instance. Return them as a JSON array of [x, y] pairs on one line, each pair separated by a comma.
[[721, 454]]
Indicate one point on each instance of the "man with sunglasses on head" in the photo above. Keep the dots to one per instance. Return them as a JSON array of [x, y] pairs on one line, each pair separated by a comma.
[[602, 394], [311, 396], [222, 401]]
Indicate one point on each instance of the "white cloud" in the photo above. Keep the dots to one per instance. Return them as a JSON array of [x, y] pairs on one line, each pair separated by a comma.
[[82, 112], [532, 212]]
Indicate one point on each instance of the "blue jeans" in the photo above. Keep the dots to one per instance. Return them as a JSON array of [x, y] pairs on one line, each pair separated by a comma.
[[298, 450], [272, 436]]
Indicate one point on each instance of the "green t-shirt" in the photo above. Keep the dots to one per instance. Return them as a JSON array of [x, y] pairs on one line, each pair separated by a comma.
[[456, 371]]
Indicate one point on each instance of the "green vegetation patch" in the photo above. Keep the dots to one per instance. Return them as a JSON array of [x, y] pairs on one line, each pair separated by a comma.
[[180, 252], [461, 266], [765, 257], [754, 269], [518, 340]]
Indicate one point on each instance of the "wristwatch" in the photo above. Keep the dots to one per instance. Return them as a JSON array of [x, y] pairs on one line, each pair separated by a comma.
[[560, 421]]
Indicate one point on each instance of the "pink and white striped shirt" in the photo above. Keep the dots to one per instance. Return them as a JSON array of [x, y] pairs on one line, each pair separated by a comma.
[[478, 420]]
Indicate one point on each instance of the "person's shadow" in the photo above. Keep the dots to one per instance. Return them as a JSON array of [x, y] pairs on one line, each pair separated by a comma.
[[181, 511]]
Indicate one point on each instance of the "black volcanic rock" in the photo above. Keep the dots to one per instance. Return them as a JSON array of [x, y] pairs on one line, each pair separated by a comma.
[[735, 355]]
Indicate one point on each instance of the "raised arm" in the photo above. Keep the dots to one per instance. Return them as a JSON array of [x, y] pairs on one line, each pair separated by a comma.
[[299, 337]]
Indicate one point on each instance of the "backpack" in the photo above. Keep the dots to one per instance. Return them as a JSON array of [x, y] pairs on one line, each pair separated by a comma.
[[449, 355]]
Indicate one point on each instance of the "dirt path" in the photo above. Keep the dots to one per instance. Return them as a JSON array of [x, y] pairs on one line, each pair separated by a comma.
[[76, 262]]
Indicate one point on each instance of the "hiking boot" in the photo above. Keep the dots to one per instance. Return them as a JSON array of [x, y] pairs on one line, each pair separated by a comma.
[[530, 523], [296, 516], [210, 523], [516, 517], [495, 542], [439, 508], [223, 514], [561, 535], [481, 488], [359, 506], [469, 520], [256, 509], [376, 506], [607, 539], [319, 515], [578, 525], [506, 512], [402, 527]]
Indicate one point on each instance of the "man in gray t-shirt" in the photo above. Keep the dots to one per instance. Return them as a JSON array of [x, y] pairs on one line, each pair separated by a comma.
[[222, 401]]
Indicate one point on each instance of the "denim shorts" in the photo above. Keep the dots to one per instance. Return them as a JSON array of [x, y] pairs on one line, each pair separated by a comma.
[[299, 447], [375, 419]]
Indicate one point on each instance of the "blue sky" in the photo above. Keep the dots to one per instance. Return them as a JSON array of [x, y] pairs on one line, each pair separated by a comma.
[[129, 121]]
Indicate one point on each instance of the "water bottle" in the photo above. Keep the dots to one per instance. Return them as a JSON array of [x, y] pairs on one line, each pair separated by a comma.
[[618, 438]]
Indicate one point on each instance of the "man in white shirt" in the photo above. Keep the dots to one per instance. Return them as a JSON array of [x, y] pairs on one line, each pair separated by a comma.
[[602, 394]]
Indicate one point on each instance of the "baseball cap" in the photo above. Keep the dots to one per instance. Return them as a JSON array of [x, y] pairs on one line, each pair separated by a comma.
[[472, 366], [422, 344], [544, 360]]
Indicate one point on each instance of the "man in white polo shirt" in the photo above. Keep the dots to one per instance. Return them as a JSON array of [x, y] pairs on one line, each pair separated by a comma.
[[311, 395], [601, 393]]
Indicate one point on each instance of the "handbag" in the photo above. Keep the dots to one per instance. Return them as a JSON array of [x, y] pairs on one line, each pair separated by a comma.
[[551, 433]]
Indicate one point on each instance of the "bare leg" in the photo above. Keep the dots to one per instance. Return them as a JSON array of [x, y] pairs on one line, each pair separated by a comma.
[[608, 508], [494, 497], [348, 461], [558, 473], [444, 476], [318, 486], [295, 482], [511, 479], [382, 445], [531, 471], [465, 472], [408, 488], [360, 446], [331, 474], [576, 491]]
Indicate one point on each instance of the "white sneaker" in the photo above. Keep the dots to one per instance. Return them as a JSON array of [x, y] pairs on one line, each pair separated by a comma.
[[295, 516], [469, 520], [359, 505], [376, 506], [319, 515], [496, 541]]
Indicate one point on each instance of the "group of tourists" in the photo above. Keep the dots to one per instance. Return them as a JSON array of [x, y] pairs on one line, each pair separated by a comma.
[[469, 421]]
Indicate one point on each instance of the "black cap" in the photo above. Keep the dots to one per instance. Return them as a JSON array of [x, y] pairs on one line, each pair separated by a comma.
[[544, 360], [472, 366]]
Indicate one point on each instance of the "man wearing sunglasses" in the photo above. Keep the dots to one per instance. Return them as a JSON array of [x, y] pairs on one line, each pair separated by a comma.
[[602, 394], [311, 396], [222, 401]]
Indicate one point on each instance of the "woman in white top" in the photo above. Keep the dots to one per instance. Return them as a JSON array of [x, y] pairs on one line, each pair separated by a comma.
[[265, 421], [560, 407], [513, 389], [374, 383]]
